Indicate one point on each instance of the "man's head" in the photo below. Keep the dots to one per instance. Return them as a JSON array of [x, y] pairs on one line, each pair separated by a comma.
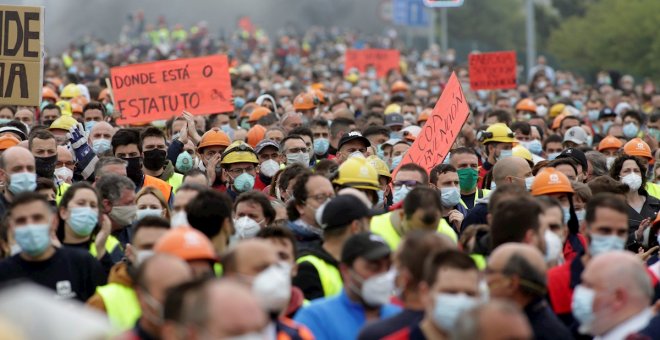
[[117, 199], [154, 149], [126, 145], [606, 224], [110, 165], [249, 258], [514, 171], [494, 320], [291, 121], [284, 241], [310, 192], [49, 114], [43, 146], [466, 162], [409, 176], [342, 216], [294, 150], [422, 209], [32, 222], [100, 138], [365, 258], [184, 195], [352, 143], [18, 170], [210, 213], [255, 206], [146, 233], [517, 220], [516, 272]]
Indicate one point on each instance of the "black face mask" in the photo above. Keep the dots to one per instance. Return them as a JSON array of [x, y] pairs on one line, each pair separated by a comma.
[[155, 159], [45, 166], [47, 122], [134, 169]]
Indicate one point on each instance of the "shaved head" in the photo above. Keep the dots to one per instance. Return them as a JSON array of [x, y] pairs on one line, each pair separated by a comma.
[[249, 257], [524, 265], [510, 167], [621, 269]]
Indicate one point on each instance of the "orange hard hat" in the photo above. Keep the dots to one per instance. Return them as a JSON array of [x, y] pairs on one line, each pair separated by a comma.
[[255, 135], [258, 113], [609, 142], [556, 123], [7, 141], [76, 108], [48, 93], [637, 147], [320, 96], [551, 181], [424, 115], [247, 109], [526, 105], [317, 86], [105, 93], [80, 100], [214, 137], [399, 86], [305, 101], [186, 243]]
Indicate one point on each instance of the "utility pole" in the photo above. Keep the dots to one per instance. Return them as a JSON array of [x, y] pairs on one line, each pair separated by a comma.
[[431, 26], [444, 35], [531, 36]]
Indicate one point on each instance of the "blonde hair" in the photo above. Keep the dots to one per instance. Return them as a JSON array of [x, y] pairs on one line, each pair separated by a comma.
[[159, 195]]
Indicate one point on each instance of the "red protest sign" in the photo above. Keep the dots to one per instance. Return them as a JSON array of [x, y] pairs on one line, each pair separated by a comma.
[[441, 129], [489, 71], [160, 90], [380, 59]]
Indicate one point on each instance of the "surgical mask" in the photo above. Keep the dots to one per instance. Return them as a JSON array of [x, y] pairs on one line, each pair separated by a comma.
[[553, 155], [567, 214], [593, 115], [357, 154], [578, 104], [184, 162], [45, 166], [226, 128], [467, 178], [123, 214], [630, 130], [395, 135], [606, 126], [83, 220], [610, 161], [583, 307], [450, 196], [89, 125], [400, 194], [143, 255], [244, 182], [179, 219], [64, 174], [101, 145], [600, 244], [246, 125], [379, 151], [269, 168], [528, 183], [239, 102], [655, 133], [142, 213], [541, 110], [410, 117], [5, 120], [246, 227], [155, 159], [300, 157], [565, 93], [505, 154], [377, 290], [590, 140], [634, 181], [381, 195], [272, 287], [33, 239], [534, 146], [22, 182], [448, 307], [321, 146], [395, 162], [581, 214], [553, 246]]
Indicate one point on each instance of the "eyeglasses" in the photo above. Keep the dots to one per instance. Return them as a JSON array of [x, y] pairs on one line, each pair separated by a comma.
[[409, 184], [321, 197], [297, 150], [239, 171]]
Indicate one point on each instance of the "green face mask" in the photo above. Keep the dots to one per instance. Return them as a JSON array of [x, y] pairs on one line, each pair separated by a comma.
[[467, 178]]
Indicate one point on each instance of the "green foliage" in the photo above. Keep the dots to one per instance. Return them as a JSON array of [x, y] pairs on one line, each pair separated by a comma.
[[612, 34]]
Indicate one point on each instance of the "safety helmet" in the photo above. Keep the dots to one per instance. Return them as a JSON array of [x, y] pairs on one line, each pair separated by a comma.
[[392, 108], [522, 152], [399, 86], [80, 100], [65, 107], [320, 96], [63, 123], [424, 115], [7, 141], [258, 113], [526, 105], [610, 142], [239, 152], [255, 135], [637, 147], [186, 243], [70, 91], [556, 109], [214, 137], [76, 108], [556, 123], [497, 132], [305, 101], [247, 109], [356, 172], [551, 181], [379, 165], [48, 93]]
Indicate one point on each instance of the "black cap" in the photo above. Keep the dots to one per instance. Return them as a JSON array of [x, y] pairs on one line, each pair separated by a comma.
[[266, 142], [576, 155], [353, 135], [341, 211], [393, 119], [365, 245], [606, 112]]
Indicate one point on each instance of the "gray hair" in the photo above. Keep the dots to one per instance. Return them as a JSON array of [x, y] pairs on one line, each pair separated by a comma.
[[532, 281], [598, 163], [468, 325], [105, 161], [111, 186]]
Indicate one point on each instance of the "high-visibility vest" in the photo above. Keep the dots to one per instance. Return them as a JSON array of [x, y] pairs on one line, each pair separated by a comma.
[[175, 181], [165, 189], [382, 225], [479, 260], [61, 189], [121, 305], [110, 244], [653, 189], [480, 193], [328, 274]]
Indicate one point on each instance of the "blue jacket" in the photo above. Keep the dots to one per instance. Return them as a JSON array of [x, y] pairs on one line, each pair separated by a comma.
[[338, 317]]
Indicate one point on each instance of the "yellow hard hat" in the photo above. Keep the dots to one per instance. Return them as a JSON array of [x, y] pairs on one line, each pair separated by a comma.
[[522, 152], [70, 91], [65, 107], [556, 110], [239, 152], [379, 165], [357, 173], [497, 132], [63, 123], [392, 108]]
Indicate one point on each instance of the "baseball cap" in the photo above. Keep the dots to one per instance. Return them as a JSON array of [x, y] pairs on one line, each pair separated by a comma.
[[341, 211], [576, 155], [606, 112], [353, 135], [393, 119], [366, 245], [576, 135], [264, 143]]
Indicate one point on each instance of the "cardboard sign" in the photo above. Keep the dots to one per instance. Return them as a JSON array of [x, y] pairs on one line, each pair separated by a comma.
[[489, 71], [381, 60], [21, 57], [441, 129], [160, 90]]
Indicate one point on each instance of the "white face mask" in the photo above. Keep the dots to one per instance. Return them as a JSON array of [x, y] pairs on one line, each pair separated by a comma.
[[553, 247], [634, 181], [272, 287], [583, 307], [377, 290], [448, 307], [269, 168], [246, 227], [179, 219], [143, 255], [64, 174]]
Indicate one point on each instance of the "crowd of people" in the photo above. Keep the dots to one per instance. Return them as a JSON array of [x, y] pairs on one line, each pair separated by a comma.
[[285, 219]]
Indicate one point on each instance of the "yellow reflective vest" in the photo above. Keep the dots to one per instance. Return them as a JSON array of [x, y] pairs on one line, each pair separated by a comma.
[[175, 181], [480, 193], [382, 225], [653, 189], [110, 244], [121, 305], [328, 274]]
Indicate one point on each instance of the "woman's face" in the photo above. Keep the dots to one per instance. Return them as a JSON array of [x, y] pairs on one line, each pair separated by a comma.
[[82, 198], [629, 167], [148, 201]]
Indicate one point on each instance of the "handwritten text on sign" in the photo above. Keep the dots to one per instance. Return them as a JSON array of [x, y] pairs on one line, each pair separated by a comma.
[[21, 31], [159, 90], [379, 59], [441, 129], [496, 70]]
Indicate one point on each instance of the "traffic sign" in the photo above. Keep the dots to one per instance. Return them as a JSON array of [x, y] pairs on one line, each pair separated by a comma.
[[409, 13], [443, 3]]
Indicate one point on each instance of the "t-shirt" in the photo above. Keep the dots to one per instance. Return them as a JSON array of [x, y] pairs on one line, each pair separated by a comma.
[[385, 327], [71, 273]]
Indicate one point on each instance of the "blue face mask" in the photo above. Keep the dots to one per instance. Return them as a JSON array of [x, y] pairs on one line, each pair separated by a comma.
[[89, 125], [101, 145], [581, 214], [239, 102], [655, 133], [22, 182], [5, 120], [606, 126], [534, 146], [505, 154], [604, 243], [379, 151], [395, 135], [400, 194], [567, 214], [244, 182], [321, 146], [630, 130], [33, 239], [109, 109], [553, 155], [142, 213], [82, 220], [184, 162], [582, 306], [395, 162], [381, 195], [593, 115], [450, 196]]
